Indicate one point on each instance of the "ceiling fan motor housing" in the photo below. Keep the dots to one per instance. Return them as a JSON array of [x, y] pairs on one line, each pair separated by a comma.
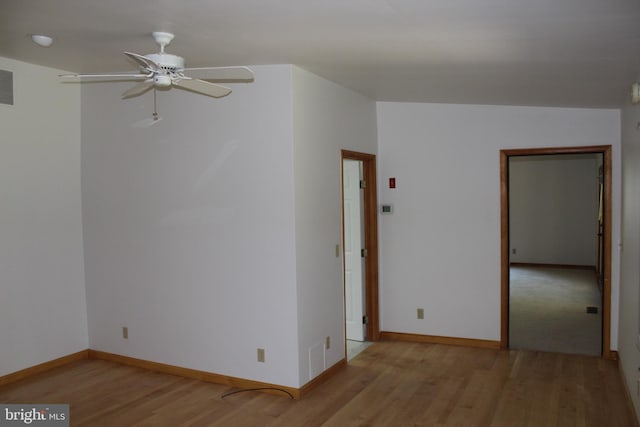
[[167, 62]]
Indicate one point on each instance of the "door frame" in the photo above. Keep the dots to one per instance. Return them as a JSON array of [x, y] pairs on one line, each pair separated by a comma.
[[370, 207], [504, 236]]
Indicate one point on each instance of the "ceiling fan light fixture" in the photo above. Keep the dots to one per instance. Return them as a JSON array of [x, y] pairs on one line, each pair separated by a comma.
[[162, 80], [42, 40]]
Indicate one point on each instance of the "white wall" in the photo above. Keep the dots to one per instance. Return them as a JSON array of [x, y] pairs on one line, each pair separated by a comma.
[[189, 227], [327, 118], [43, 312], [440, 249], [630, 257], [553, 209]]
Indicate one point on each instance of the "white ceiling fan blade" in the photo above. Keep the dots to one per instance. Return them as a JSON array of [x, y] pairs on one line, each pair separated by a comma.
[[205, 88], [138, 89], [143, 61], [240, 74], [109, 76]]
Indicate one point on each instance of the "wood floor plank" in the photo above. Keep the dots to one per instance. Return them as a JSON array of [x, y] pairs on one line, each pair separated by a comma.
[[389, 384]]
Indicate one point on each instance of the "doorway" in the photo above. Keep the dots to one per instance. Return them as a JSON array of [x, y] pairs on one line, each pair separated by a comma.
[[603, 231], [360, 248]]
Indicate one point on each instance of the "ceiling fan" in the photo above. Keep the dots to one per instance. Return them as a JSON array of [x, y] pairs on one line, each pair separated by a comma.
[[163, 70]]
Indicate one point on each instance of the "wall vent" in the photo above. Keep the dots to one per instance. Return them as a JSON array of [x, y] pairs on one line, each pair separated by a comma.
[[6, 87]]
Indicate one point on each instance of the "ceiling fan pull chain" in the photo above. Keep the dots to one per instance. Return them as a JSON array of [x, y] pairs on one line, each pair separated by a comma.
[[155, 110]]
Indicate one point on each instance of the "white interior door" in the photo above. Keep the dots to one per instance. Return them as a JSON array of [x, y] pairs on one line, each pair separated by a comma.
[[353, 243]]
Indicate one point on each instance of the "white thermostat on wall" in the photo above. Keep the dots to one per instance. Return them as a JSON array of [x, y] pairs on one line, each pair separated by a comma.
[[386, 209]]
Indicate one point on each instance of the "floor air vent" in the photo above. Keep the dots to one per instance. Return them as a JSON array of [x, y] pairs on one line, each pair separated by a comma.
[[592, 310]]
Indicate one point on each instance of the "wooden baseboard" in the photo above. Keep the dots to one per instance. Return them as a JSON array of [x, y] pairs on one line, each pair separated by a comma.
[[565, 266], [433, 339], [43, 367], [323, 377], [193, 373], [174, 370]]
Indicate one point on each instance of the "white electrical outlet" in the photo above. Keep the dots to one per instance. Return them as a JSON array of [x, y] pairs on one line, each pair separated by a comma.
[[327, 343], [421, 313], [261, 355], [125, 332]]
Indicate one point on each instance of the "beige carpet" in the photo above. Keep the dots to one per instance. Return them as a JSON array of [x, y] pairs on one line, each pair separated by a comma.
[[547, 310]]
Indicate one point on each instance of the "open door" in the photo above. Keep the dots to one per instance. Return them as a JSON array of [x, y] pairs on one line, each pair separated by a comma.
[[361, 294], [600, 260], [354, 273]]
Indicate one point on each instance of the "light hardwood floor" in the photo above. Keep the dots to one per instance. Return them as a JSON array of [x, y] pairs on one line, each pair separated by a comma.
[[389, 384]]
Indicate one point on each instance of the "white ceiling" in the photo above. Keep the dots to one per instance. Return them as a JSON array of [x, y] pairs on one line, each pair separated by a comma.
[[583, 53]]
